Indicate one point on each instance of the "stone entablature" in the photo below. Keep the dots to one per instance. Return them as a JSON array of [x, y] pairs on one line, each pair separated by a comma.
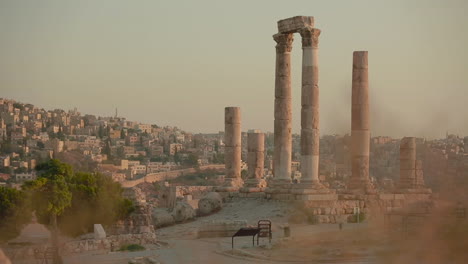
[[294, 24]]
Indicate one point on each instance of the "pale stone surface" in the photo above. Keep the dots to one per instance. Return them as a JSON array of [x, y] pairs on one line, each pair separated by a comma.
[[293, 24], [210, 203], [99, 232]]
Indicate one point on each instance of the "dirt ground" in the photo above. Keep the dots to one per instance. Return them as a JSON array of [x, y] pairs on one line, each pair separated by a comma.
[[326, 243]]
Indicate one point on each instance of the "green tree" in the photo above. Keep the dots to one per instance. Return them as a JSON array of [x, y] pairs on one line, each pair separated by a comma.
[[87, 198], [14, 212], [96, 199], [192, 160], [50, 196]]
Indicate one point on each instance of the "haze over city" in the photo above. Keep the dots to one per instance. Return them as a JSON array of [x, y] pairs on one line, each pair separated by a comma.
[[181, 63], [161, 132]]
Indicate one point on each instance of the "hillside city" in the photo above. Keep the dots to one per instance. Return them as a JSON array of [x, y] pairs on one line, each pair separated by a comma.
[[247, 135], [129, 150]]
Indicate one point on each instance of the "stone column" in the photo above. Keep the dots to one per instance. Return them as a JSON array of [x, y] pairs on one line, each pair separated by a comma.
[[283, 113], [360, 135], [232, 146], [255, 161], [407, 162], [310, 135], [419, 174]]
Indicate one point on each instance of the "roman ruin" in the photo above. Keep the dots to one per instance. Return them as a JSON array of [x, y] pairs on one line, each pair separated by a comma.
[[407, 162], [310, 134], [337, 179], [255, 162], [360, 135], [283, 112], [232, 149], [411, 171]]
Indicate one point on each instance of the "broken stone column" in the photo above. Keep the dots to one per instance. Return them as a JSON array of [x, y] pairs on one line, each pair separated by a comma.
[[183, 212], [407, 163], [310, 135], [419, 174], [360, 135], [232, 148], [210, 203], [411, 169], [255, 162], [283, 112], [465, 144]]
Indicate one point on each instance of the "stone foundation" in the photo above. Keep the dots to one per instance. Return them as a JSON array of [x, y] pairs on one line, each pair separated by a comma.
[[252, 195], [111, 243]]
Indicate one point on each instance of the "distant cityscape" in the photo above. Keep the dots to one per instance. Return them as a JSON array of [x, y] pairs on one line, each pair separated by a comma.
[[129, 150]]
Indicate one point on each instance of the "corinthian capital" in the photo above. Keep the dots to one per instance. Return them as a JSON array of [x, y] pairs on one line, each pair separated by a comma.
[[310, 37], [284, 42]]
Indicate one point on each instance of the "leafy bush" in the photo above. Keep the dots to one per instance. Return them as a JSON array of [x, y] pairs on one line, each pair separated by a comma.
[[92, 198], [354, 217]]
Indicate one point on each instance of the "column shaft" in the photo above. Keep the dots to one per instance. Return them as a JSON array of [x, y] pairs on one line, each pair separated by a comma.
[[283, 113], [232, 141], [360, 135], [310, 134], [407, 162]]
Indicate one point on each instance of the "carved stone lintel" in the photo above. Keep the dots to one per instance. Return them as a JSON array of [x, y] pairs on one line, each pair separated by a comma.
[[284, 42], [310, 37]]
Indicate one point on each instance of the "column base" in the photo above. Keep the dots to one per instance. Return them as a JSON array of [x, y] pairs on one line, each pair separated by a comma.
[[252, 194], [279, 186], [255, 183], [310, 187], [251, 189], [420, 190], [302, 190], [360, 186], [230, 185]]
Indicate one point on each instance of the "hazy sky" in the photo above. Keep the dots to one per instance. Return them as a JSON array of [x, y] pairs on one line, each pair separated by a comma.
[[181, 62]]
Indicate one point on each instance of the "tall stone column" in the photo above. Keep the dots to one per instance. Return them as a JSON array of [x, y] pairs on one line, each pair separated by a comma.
[[232, 147], [255, 162], [360, 135], [310, 134], [283, 112]]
